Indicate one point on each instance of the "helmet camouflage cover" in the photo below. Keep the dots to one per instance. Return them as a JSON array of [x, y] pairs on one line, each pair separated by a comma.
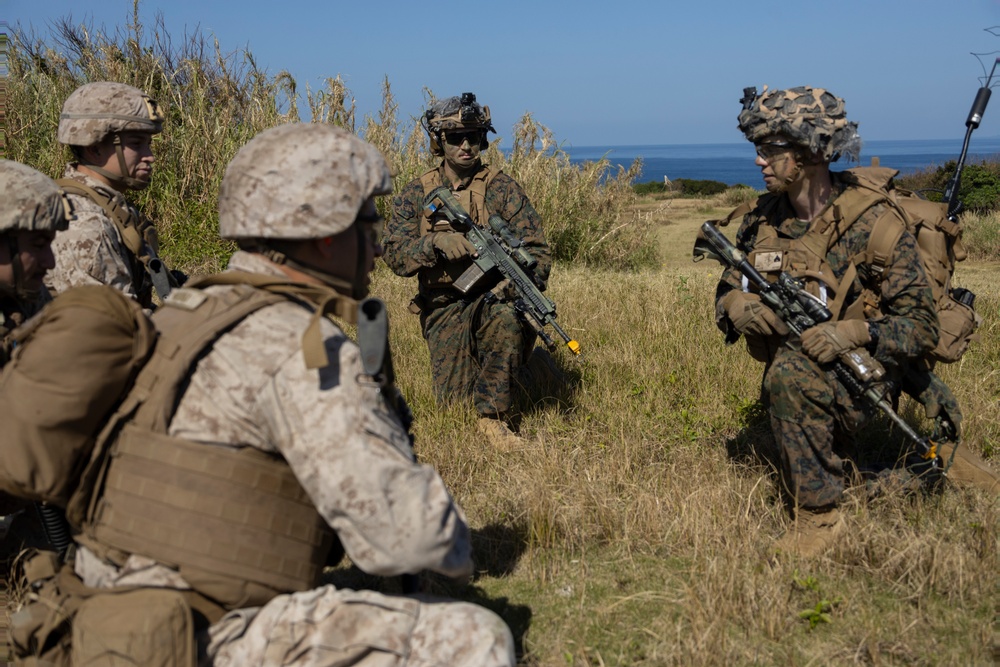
[[456, 114], [29, 200], [96, 110], [812, 118], [299, 181]]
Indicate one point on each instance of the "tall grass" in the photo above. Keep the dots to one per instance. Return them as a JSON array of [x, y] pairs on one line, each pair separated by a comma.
[[217, 100]]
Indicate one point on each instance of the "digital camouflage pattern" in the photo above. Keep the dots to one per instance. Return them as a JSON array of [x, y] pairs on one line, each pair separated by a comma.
[[810, 117], [470, 356], [266, 193], [31, 201], [92, 251], [810, 411], [353, 457], [96, 110]]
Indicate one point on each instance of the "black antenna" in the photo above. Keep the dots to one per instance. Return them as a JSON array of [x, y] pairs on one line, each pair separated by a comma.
[[971, 123]]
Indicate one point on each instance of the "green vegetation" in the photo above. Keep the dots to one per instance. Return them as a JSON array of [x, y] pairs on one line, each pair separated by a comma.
[[979, 189], [216, 101], [635, 524]]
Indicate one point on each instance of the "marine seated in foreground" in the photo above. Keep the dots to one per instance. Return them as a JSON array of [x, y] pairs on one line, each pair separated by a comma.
[[279, 449]]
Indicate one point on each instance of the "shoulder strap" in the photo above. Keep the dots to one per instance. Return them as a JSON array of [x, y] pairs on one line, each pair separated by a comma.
[[120, 215]]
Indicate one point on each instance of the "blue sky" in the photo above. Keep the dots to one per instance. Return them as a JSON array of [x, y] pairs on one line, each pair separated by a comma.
[[602, 73]]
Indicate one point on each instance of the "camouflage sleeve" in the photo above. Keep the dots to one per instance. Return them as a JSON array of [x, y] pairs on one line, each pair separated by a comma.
[[506, 198], [354, 460], [90, 252], [909, 328], [404, 250]]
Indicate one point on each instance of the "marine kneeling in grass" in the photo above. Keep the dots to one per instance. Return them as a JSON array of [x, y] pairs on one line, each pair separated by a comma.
[[816, 226]]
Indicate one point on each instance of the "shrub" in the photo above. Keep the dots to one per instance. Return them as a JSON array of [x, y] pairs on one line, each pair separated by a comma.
[[979, 189], [649, 188], [700, 188]]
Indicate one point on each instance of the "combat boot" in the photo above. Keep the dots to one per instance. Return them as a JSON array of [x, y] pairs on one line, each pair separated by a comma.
[[967, 467], [499, 434], [812, 533]]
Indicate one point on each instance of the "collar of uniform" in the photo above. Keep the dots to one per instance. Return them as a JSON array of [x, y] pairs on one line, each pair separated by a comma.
[[251, 262], [91, 182], [463, 183]]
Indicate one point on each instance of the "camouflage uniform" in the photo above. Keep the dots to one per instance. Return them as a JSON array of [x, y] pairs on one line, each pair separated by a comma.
[[29, 202], [332, 426], [92, 251], [99, 249], [810, 409], [477, 342], [808, 405]]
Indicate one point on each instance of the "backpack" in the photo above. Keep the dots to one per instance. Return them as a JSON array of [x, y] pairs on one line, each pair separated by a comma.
[[85, 364], [939, 243]]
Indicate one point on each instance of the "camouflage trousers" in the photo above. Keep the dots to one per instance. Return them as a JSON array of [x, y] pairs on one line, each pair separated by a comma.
[[327, 627], [810, 408], [476, 350]]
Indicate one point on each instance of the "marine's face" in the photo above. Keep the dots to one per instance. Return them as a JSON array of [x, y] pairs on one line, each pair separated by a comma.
[[137, 154], [778, 162], [34, 249], [346, 250], [461, 148]]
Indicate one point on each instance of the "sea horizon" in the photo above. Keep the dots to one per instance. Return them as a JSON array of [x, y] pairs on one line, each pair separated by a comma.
[[733, 163]]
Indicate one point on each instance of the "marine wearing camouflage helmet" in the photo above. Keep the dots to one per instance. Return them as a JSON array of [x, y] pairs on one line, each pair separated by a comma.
[[109, 128], [266, 199], [815, 224], [456, 114], [811, 118], [32, 210], [275, 450], [479, 346]]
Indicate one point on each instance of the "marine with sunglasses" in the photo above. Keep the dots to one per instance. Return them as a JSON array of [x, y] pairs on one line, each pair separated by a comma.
[[479, 346]]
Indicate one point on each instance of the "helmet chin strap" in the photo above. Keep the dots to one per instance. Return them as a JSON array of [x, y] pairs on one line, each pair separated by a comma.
[[356, 290], [123, 179]]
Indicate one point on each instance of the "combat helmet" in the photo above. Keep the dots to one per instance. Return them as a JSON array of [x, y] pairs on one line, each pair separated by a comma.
[[297, 182], [95, 111], [31, 201], [456, 113], [812, 118]]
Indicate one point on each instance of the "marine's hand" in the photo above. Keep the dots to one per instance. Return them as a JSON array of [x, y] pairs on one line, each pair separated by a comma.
[[750, 316], [453, 246], [828, 340]]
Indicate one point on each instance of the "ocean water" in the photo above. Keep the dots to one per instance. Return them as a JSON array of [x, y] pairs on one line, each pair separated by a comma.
[[734, 163]]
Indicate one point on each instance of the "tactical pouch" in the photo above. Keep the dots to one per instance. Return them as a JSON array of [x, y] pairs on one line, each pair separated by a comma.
[[958, 323], [152, 627]]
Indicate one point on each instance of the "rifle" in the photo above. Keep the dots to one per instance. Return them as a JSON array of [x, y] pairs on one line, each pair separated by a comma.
[[498, 248], [856, 369], [376, 359]]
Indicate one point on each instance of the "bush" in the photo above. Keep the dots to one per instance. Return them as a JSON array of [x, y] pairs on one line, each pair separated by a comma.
[[699, 188], [650, 188], [978, 191]]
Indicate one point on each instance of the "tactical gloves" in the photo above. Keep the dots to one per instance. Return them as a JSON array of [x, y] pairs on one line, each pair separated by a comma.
[[751, 317], [828, 340], [453, 246]]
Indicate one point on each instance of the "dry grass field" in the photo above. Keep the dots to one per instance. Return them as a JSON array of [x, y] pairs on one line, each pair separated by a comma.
[[634, 526]]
